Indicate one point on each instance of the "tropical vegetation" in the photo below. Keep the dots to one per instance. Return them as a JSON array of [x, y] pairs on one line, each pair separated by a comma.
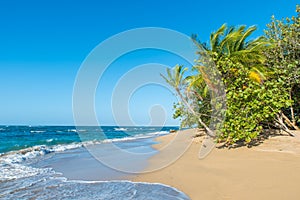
[[241, 86]]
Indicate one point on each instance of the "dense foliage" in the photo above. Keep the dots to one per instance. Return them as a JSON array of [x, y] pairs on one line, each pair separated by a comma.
[[284, 60], [260, 79]]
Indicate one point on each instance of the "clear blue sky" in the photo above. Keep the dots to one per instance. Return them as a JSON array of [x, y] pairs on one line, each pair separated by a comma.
[[43, 44]]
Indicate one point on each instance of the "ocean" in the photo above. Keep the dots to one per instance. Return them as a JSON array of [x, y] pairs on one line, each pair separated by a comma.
[[59, 162]]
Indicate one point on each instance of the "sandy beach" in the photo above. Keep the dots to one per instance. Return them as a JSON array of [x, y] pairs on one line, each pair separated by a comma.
[[270, 170]]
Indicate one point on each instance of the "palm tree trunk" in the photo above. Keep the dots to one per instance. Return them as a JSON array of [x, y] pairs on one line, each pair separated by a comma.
[[208, 130]]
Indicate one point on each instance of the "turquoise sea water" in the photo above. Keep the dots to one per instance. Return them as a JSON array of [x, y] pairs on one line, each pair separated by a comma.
[[21, 137], [52, 162]]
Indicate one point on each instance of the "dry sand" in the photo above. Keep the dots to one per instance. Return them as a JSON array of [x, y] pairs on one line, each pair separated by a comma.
[[268, 171]]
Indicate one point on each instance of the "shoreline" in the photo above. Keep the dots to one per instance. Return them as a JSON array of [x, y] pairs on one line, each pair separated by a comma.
[[269, 170]]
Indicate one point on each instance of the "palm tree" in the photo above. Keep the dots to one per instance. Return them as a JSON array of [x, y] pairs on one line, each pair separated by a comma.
[[175, 79], [227, 42], [232, 43]]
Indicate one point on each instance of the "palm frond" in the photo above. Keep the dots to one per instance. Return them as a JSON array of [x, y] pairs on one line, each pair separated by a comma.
[[241, 43], [215, 37]]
